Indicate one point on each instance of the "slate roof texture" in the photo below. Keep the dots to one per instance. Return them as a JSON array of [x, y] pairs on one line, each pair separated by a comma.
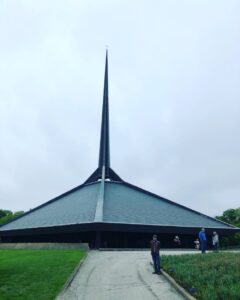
[[122, 203], [73, 208], [126, 204]]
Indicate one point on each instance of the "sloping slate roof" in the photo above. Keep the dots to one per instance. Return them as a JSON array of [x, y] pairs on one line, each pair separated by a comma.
[[76, 207], [127, 204], [122, 203]]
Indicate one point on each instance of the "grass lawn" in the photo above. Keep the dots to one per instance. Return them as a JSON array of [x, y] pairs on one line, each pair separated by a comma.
[[213, 276], [35, 274]]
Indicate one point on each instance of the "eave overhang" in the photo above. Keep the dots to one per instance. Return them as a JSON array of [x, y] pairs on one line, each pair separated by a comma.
[[116, 227]]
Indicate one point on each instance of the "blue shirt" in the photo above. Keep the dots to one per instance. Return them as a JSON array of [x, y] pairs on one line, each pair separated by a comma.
[[202, 236]]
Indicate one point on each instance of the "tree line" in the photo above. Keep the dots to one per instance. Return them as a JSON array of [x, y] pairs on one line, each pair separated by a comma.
[[231, 216], [8, 215]]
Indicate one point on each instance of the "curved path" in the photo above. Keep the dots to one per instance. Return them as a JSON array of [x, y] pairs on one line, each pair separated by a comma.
[[119, 275]]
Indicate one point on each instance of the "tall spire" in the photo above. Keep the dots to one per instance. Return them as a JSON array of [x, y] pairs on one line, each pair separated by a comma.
[[104, 171], [104, 151]]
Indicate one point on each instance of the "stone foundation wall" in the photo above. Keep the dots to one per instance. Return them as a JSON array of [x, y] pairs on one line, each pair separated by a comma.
[[40, 246]]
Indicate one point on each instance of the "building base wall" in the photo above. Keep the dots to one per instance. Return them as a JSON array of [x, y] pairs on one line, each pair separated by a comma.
[[109, 239]]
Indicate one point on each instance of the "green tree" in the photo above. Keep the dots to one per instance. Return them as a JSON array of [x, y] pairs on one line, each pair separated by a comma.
[[3, 213], [231, 216], [8, 215]]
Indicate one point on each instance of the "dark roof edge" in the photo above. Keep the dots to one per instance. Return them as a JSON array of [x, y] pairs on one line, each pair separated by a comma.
[[97, 223], [122, 223], [172, 202], [50, 201], [166, 225]]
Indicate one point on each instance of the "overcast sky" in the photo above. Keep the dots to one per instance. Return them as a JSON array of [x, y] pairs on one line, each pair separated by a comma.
[[174, 92]]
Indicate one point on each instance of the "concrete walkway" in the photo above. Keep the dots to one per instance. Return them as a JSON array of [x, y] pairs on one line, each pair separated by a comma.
[[118, 275]]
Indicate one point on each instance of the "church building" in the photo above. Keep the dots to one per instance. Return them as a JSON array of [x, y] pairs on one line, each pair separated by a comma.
[[106, 211]]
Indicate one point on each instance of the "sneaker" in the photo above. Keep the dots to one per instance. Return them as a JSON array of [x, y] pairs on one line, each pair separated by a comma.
[[154, 272], [159, 273]]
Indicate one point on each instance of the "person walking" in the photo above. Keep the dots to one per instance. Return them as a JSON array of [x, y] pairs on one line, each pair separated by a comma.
[[203, 240], [155, 248], [215, 241]]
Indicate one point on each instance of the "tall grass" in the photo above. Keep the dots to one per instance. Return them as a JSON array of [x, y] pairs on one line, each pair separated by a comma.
[[213, 276]]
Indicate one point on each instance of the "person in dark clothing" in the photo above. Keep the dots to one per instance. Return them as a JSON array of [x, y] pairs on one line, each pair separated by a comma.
[[155, 248], [203, 240], [177, 241]]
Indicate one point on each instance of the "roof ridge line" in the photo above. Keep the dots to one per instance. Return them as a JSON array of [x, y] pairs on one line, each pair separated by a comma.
[[100, 200]]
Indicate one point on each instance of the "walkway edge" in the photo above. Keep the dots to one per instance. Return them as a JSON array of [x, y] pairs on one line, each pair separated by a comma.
[[70, 279], [180, 289]]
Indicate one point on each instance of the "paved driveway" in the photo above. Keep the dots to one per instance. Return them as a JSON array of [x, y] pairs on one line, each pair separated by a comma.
[[119, 275]]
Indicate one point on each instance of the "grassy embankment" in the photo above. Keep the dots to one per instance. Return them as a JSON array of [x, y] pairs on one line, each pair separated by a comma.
[[35, 274], [213, 276]]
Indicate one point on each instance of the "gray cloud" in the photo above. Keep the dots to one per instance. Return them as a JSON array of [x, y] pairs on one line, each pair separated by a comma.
[[174, 98]]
